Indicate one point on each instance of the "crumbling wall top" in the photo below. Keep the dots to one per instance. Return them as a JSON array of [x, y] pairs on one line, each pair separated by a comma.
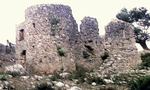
[[89, 29], [89, 24], [48, 9], [118, 29]]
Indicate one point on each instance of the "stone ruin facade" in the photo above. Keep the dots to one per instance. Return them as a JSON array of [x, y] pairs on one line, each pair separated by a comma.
[[45, 39], [49, 41], [90, 44], [120, 46]]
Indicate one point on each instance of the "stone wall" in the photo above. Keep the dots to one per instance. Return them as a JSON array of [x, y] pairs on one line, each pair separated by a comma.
[[49, 33], [120, 46], [90, 46], [49, 41]]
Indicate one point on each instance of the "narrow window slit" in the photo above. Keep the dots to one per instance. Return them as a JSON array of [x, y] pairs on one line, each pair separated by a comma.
[[21, 34], [33, 25]]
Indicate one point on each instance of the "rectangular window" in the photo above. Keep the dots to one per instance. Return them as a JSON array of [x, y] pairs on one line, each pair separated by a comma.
[[21, 34], [23, 54]]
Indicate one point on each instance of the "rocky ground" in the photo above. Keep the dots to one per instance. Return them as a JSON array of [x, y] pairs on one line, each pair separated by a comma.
[[15, 78], [49, 82]]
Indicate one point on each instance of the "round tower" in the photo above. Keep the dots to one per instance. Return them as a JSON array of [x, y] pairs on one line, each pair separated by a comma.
[[44, 41]]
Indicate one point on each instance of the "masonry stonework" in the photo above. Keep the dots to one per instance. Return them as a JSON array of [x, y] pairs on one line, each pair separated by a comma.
[[120, 45], [48, 30], [90, 46], [48, 41]]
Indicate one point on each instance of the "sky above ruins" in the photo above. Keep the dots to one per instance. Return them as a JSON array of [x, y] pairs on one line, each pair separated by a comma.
[[12, 12]]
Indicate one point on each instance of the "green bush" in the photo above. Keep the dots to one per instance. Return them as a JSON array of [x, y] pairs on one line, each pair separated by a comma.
[[145, 60], [141, 83], [3, 76], [61, 51]]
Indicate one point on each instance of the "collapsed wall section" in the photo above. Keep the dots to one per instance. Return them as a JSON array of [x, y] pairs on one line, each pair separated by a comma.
[[120, 45], [90, 46]]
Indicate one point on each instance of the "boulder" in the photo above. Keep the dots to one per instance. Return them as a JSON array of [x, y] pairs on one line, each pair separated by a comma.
[[75, 88], [16, 68]]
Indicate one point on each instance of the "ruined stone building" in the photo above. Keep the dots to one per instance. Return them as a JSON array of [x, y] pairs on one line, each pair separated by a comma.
[[45, 38], [90, 46], [49, 41], [120, 45]]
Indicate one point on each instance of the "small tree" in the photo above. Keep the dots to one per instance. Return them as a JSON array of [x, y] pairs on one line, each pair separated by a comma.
[[140, 19], [145, 60]]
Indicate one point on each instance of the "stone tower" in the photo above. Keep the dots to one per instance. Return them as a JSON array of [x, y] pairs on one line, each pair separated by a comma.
[[45, 39], [90, 46], [120, 46]]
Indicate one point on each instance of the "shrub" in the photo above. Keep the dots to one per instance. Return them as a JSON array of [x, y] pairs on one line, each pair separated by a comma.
[[122, 77], [55, 21], [44, 86], [141, 83], [145, 60], [79, 74], [97, 80], [82, 75], [14, 74], [61, 51], [54, 26], [86, 55], [3, 76], [55, 77]]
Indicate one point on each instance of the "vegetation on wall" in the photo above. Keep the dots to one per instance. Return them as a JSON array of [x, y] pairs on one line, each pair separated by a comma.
[[3, 76], [54, 26], [61, 51], [86, 55]]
